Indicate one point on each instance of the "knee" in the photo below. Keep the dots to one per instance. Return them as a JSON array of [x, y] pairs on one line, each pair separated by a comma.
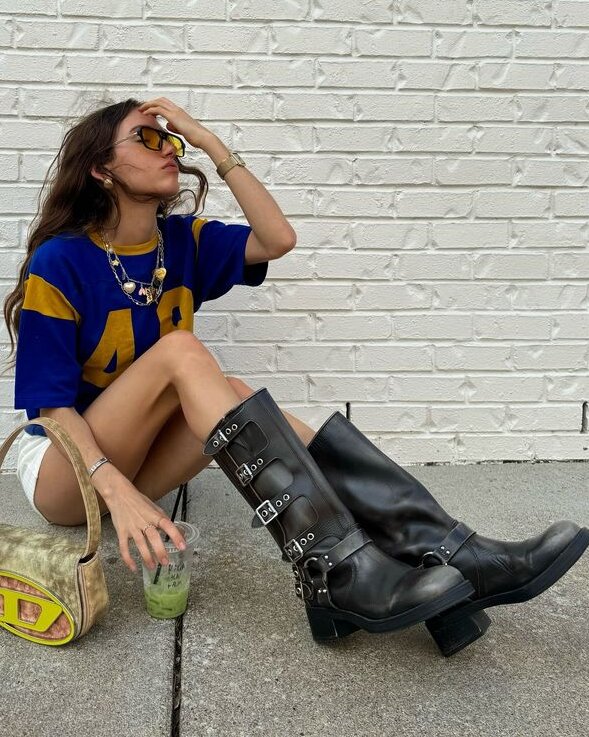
[[242, 389], [181, 347], [183, 354]]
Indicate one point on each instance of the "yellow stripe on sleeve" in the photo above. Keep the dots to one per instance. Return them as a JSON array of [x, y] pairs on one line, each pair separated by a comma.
[[48, 300], [196, 226]]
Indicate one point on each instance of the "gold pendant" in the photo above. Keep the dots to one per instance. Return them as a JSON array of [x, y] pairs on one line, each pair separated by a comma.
[[160, 273], [129, 287], [148, 293]]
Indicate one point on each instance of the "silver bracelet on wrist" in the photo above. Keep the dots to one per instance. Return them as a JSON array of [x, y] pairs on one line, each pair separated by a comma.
[[97, 465]]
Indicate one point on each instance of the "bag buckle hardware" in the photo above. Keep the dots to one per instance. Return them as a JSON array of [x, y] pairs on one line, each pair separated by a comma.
[[49, 611]]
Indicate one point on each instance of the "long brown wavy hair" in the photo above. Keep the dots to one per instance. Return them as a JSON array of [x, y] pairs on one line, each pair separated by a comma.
[[73, 201]]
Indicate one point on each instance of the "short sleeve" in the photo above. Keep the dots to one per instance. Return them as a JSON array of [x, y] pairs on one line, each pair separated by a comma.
[[220, 262], [47, 372]]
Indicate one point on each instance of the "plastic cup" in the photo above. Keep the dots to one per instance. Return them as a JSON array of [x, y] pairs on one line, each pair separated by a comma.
[[166, 588]]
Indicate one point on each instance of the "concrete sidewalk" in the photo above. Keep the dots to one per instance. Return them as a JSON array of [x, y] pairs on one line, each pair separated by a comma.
[[250, 667]]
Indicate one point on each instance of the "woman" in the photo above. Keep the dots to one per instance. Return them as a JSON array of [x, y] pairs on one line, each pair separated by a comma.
[[104, 314]]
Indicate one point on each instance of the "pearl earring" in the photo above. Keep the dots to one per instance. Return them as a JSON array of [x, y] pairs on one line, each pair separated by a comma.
[[107, 183]]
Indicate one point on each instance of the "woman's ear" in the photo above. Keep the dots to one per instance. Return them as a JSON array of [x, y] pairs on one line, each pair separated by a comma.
[[101, 178], [98, 175]]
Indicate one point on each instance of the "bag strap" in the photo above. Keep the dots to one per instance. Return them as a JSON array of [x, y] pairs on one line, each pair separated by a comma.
[[75, 457]]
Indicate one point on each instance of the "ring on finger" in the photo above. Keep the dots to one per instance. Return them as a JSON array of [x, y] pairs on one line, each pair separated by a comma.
[[148, 526]]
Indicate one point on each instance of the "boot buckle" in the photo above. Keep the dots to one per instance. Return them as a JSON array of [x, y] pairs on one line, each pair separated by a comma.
[[218, 441], [439, 557], [293, 550], [248, 471], [266, 512], [244, 474], [449, 546], [304, 586]]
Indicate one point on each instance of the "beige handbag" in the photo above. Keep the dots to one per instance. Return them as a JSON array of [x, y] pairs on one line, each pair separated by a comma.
[[52, 589]]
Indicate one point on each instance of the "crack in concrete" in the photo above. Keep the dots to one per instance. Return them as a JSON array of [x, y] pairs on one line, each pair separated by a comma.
[[179, 629]]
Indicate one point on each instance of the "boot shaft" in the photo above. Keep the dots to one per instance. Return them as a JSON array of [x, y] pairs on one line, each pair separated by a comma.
[[271, 467], [395, 509]]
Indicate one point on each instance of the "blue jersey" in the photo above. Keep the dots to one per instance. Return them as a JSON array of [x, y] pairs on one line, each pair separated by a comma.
[[78, 330]]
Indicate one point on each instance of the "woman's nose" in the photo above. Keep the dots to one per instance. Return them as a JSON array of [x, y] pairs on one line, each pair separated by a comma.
[[168, 149]]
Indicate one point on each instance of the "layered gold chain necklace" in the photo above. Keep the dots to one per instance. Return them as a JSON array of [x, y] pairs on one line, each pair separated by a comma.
[[152, 290]]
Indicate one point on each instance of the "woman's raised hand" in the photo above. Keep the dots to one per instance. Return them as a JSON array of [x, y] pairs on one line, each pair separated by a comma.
[[135, 517], [179, 121]]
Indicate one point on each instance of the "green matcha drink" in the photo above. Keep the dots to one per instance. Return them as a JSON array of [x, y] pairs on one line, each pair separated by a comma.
[[164, 603], [166, 588]]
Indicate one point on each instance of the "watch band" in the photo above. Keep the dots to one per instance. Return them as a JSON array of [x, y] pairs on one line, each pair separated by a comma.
[[234, 159]]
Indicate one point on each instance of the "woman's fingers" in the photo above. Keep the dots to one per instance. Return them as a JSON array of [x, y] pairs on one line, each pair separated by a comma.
[[154, 538], [142, 547], [173, 532], [139, 519], [156, 543], [176, 117], [161, 102], [160, 107], [126, 555], [177, 120]]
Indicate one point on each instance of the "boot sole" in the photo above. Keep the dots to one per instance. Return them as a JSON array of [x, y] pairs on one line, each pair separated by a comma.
[[332, 624], [457, 629]]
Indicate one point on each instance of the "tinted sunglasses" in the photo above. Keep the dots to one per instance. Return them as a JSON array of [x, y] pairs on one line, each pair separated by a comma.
[[153, 139]]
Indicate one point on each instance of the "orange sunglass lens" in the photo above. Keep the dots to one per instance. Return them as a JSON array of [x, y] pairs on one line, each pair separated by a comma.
[[153, 139]]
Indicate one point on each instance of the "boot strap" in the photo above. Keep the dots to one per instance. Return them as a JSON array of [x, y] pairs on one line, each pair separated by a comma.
[[223, 436], [342, 550], [308, 586], [295, 548], [269, 509], [449, 546], [248, 471]]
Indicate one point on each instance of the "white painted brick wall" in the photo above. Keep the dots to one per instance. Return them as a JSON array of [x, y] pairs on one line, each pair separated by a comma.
[[430, 154]]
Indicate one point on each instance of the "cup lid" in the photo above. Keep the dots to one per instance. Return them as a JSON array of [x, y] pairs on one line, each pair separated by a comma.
[[188, 531]]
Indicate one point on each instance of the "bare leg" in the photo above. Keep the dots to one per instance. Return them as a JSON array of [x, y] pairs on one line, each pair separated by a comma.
[[303, 430], [140, 422], [178, 372], [176, 455]]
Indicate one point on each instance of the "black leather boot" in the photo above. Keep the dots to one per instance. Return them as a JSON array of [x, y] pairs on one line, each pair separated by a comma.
[[405, 521], [346, 582]]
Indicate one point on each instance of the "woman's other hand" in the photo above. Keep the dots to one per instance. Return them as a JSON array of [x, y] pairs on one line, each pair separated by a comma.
[[131, 512], [179, 121]]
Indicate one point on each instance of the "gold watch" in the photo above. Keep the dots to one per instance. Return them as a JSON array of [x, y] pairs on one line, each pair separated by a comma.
[[232, 160]]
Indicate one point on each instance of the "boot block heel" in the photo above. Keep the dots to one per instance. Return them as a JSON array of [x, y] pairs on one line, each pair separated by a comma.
[[454, 632], [325, 627]]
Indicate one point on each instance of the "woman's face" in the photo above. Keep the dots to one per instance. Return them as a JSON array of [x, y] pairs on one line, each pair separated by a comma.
[[144, 171]]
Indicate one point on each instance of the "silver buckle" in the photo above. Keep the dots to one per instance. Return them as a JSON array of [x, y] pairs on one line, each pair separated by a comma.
[[219, 437], [293, 550], [244, 474], [266, 512], [436, 558]]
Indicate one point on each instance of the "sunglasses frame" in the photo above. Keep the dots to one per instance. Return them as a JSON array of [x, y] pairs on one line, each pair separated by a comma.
[[163, 136]]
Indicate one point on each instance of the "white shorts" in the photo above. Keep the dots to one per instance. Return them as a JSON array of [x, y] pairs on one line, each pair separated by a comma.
[[31, 449]]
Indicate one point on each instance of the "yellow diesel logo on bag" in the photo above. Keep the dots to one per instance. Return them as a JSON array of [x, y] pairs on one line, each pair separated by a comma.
[[31, 611]]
